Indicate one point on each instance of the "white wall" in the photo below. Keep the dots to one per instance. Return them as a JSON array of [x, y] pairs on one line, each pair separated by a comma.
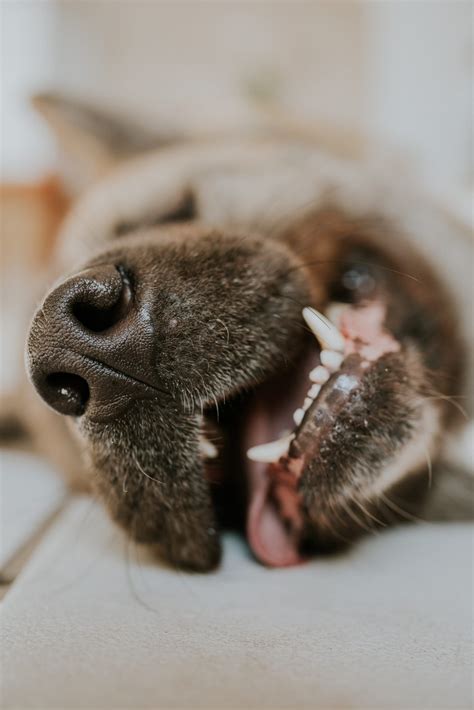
[[195, 62], [421, 82], [398, 69], [27, 52]]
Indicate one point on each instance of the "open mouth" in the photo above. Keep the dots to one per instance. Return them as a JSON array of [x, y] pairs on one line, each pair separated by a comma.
[[284, 423]]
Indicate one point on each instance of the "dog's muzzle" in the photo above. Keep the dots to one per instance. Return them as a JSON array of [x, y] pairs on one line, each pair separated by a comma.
[[90, 346]]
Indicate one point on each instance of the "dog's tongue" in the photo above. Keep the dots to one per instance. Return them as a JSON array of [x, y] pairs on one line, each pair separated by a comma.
[[273, 514], [272, 531]]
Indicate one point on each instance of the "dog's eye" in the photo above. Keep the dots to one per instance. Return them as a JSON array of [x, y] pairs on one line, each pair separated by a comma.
[[184, 211], [358, 278], [123, 228]]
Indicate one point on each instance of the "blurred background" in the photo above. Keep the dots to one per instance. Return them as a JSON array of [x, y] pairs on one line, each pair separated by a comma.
[[396, 70]]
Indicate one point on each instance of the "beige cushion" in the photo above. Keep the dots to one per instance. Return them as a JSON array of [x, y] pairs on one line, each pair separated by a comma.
[[94, 622]]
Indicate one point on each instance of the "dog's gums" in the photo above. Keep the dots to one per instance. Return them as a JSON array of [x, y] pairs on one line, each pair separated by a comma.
[[276, 520]]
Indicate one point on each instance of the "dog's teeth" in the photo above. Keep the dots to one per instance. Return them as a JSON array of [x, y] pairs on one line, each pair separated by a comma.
[[325, 331], [334, 312], [207, 448], [331, 359], [307, 403], [268, 453], [320, 375], [314, 391], [298, 415]]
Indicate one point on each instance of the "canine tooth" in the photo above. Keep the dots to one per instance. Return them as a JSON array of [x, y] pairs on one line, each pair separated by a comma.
[[325, 331], [298, 415], [331, 359], [207, 448], [314, 391], [320, 375], [268, 453], [307, 403]]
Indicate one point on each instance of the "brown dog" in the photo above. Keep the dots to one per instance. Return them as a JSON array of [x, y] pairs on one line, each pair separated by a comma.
[[183, 339]]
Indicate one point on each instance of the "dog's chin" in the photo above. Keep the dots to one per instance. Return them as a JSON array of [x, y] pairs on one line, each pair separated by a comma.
[[286, 422], [246, 452], [246, 492]]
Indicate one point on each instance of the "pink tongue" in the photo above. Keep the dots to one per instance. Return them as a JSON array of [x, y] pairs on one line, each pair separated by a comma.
[[272, 501], [270, 541]]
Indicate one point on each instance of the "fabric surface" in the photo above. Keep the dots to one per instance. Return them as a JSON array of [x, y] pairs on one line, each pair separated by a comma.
[[95, 622], [30, 493]]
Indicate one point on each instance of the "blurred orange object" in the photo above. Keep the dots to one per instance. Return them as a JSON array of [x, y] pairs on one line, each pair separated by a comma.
[[30, 218]]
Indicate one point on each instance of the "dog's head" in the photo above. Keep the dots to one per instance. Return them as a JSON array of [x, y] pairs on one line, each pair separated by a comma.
[[161, 348], [177, 347], [185, 314]]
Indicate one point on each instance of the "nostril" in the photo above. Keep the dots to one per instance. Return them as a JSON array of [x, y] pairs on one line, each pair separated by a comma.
[[93, 318], [67, 393], [79, 338], [98, 317]]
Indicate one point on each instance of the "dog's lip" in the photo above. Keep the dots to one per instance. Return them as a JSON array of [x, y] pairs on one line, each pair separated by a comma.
[[272, 540], [136, 387], [132, 378], [121, 373], [273, 533]]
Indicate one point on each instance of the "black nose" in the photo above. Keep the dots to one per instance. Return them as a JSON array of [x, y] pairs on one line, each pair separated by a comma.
[[90, 345]]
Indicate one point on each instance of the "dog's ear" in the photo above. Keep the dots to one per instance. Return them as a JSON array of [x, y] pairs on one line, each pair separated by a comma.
[[91, 140]]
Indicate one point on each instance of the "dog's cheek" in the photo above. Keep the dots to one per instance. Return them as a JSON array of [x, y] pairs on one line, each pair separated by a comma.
[[146, 469], [225, 311], [378, 441]]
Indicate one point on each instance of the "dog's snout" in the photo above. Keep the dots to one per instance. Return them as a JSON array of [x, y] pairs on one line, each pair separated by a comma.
[[65, 392], [84, 341], [98, 301]]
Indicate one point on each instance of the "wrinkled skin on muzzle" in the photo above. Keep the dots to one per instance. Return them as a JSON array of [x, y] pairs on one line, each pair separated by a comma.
[[143, 338]]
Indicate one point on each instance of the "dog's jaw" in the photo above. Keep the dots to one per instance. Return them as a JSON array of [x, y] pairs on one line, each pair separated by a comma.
[[225, 316]]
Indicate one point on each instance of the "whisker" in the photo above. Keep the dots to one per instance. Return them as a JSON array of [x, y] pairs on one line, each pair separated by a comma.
[[322, 262], [218, 320], [355, 518], [127, 542], [450, 400], [368, 513], [155, 480], [396, 508], [430, 466], [336, 532]]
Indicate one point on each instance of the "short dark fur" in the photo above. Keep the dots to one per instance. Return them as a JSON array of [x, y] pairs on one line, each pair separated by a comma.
[[211, 316], [348, 452]]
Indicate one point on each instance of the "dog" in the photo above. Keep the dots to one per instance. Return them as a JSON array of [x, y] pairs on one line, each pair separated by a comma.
[[254, 333]]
